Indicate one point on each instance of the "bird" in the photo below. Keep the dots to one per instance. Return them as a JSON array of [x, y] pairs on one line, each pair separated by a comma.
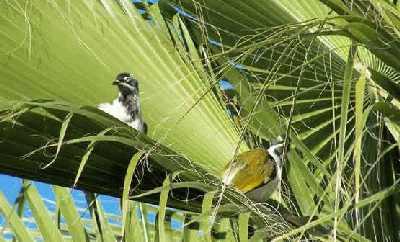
[[256, 172], [126, 107]]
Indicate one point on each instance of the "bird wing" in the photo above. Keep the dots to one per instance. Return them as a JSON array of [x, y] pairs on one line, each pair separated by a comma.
[[231, 171]]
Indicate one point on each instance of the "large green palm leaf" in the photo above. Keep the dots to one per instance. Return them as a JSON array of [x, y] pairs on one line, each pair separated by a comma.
[[55, 52], [296, 68], [301, 69]]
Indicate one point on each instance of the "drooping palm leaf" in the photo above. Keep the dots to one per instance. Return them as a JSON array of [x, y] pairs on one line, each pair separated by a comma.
[[36, 130], [304, 82], [288, 67], [52, 50]]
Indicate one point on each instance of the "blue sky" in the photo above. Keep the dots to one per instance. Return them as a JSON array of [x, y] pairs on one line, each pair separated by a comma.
[[10, 187]]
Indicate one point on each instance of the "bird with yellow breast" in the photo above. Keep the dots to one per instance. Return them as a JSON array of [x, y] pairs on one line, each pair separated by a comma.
[[257, 172]]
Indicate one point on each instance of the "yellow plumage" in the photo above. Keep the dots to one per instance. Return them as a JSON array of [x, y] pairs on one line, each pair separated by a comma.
[[249, 170]]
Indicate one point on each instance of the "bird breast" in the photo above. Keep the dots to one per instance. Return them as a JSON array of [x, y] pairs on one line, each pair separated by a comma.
[[117, 110]]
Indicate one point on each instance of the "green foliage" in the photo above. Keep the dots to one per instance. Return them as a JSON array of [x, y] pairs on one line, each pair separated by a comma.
[[296, 74]]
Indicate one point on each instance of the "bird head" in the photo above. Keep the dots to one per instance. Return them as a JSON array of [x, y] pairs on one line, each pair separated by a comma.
[[127, 85]]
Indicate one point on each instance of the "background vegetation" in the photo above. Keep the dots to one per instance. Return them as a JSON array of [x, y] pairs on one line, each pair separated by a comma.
[[324, 73]]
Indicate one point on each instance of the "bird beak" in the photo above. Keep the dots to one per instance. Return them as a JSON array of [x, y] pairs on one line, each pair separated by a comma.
[[116, 82]]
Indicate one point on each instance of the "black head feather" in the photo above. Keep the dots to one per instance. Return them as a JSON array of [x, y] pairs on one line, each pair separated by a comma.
[[127, 84]]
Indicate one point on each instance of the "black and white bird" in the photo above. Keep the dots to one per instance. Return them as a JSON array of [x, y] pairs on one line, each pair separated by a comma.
[[126, 107]]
